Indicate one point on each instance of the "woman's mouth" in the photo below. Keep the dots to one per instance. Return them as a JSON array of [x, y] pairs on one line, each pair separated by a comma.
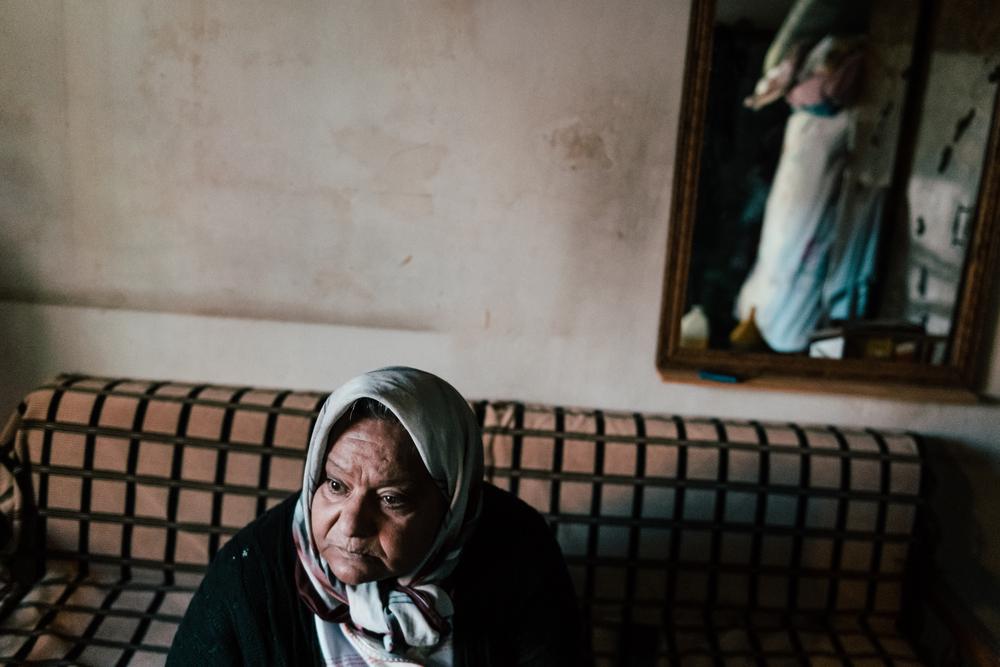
[[355, 555]]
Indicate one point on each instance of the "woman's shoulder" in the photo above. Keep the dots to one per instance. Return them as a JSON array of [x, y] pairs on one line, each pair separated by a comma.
[[503, 511], [510, 532], [514, 597], [247, 608]]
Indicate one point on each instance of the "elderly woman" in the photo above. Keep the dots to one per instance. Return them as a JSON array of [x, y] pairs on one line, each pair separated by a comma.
[[395, 551]]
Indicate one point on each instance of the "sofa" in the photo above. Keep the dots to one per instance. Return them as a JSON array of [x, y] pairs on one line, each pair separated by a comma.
[[690, 540]]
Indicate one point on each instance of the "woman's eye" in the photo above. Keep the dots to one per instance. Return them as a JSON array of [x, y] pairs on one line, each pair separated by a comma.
[[392, 501], [334, 485]]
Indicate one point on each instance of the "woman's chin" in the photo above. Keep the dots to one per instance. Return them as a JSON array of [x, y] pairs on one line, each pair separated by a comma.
[[356, 573]]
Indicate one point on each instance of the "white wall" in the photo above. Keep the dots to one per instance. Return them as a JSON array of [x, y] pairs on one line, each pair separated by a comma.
[[404, 165], [244, 193]]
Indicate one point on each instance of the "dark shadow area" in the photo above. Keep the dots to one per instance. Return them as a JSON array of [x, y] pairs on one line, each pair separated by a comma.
[[950, 585], [22, 358]]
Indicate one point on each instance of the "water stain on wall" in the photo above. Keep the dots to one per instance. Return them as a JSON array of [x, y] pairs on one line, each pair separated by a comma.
[[276, 59], [396, 171], [342, 280], [580, 147], [14, 119], [24, 195], [427, 34], [174, 41], [16, 172]]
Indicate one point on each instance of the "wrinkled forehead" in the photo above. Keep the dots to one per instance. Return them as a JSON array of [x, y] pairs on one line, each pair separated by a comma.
[[389, 440], [379, 448]]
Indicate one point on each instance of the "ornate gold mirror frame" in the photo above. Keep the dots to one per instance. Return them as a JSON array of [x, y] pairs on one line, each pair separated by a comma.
[[956, 379]]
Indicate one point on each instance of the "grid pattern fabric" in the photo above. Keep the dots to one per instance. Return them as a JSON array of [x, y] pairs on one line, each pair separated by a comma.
[[689, 540], [138, 484], [662, 518]]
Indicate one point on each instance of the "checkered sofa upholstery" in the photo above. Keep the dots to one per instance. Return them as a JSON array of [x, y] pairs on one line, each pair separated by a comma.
[[691, 541]]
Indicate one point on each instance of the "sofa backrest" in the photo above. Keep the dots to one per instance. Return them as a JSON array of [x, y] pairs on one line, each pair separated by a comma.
[[655, 514], [661, 518], [156, 474]]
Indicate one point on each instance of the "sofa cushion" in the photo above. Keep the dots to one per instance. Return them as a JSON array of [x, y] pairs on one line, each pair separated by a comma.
[[97, 618], [102, 619]]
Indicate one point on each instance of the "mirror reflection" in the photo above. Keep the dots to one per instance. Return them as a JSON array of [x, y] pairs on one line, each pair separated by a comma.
[[842, 152]]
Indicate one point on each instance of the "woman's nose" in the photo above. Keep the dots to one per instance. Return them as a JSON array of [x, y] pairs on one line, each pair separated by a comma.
[[357, 519]]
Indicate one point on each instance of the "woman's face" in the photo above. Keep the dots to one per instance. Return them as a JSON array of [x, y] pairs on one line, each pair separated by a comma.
[[377, 510]]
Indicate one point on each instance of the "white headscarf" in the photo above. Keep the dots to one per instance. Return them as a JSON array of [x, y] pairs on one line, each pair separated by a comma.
[[413, 609]]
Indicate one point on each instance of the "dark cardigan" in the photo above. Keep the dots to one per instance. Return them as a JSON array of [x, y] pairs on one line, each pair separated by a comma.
[[514, 602]]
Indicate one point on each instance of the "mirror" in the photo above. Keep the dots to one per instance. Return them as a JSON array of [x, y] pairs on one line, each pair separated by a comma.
[[835, 192]]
